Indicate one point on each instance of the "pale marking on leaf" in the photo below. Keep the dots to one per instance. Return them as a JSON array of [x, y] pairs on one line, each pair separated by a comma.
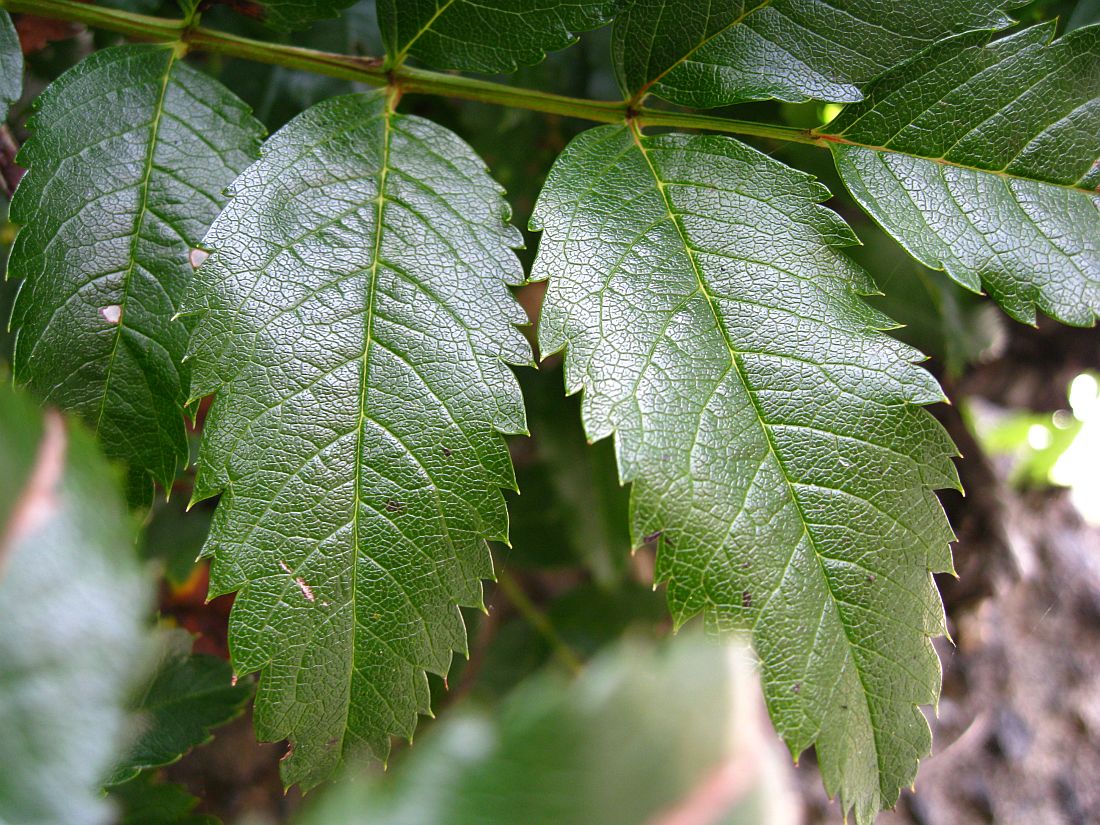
[[112, 313], [307, 591], [196, 256], [39, 498]]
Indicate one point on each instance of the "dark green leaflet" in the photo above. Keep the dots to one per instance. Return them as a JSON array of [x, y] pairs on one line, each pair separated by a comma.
[[771, 432], [130, 155], [185, 697], [356, 324], [487, 35], [706, 53], [984, 160]]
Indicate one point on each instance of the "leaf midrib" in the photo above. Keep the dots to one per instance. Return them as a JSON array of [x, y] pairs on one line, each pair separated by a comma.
[[642, 92], [838, 140], [399, 58], [139, 225], [364, 377], [738, 366]]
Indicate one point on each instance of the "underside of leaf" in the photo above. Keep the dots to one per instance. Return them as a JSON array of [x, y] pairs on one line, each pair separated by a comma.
[[355, 326], [772, 433], [131, 152], [984, 160]]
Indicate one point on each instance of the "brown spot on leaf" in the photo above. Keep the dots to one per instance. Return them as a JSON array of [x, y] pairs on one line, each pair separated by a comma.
[[394, 506], [448, 452], [746, 598]]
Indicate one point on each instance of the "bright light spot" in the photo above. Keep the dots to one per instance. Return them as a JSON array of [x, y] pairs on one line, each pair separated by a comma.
[[1061, 419], [829, 111], [1038, 437], [1077, 466], [1084, 397]]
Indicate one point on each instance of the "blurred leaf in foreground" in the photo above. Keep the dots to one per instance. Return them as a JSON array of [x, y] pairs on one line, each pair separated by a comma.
[[667, 735], [72, 604]]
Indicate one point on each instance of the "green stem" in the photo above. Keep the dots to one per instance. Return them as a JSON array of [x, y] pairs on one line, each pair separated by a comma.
[[371, 71], [537, 619]]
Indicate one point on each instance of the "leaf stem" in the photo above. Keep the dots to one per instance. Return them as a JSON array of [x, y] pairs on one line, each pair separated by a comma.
[[372, 71], [538, 620]]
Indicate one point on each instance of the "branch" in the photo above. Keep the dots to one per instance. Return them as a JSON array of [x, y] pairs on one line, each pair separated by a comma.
[[369, 70]]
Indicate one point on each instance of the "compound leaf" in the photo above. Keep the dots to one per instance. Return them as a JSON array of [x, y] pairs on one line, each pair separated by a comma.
[[983, 159], [706, 53], [72, 599], [771, 431], [479, 36], [356, 324], [131, 152], [185, 697]]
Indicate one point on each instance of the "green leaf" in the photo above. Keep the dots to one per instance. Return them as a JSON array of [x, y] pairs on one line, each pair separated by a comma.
[[11, 65], [706, 53], [940, 318], [768, 427], [984, 161], [131, 152], [357, 324], [643, 735], [185, 697], [491, 37], [72, 603], [287, 15], [146, 802]]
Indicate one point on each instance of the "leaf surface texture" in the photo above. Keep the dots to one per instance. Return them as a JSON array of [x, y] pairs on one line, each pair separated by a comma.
[[984, 160], [770, 430], [130, 155], [356, 324], [489, 36], [706, 53]]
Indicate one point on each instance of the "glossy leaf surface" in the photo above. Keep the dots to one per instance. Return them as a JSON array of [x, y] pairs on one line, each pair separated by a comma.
[[131, 152], [770, 430], [356, 324], [706, 53], [485, 35], [984, 160]]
